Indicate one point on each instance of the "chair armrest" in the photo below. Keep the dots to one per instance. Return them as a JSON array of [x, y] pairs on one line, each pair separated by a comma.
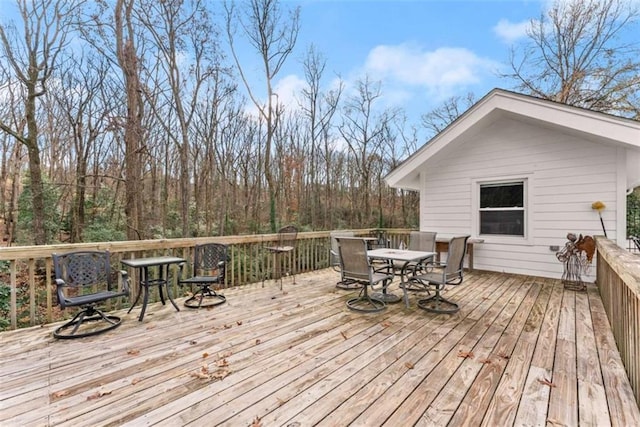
[[222, 268], [180, 270], [124, 277], [60, 284]]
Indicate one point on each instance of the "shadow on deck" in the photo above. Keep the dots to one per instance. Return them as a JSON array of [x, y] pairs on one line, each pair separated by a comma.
[[521, 351]]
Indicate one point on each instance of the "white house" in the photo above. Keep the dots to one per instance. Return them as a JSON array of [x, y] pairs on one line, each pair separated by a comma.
[[520, 173]]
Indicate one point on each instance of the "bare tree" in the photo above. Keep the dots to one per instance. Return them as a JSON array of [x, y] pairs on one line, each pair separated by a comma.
[[85, 113], [403, 145], [178, 27], [440, 117], [319, 108], [128, 61], [364, 129], [273, 35], [112, 29], [30, 58], [574, 55]]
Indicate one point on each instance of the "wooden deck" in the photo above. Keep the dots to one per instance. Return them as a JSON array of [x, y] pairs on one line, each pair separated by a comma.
[[522, 351]]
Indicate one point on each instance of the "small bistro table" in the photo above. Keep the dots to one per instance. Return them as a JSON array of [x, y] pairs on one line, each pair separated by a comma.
[[143, 265], [404, 256]]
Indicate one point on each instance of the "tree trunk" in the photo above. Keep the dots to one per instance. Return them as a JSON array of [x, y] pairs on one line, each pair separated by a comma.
[[128, 62]]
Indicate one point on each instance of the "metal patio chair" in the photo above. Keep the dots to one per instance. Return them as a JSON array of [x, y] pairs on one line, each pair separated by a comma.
[[356, 267], [418, 241], [344, 283], [84, 279], [443, 274], [208, 270]]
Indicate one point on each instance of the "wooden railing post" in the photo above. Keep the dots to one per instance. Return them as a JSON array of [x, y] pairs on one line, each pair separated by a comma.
[[618, 279]]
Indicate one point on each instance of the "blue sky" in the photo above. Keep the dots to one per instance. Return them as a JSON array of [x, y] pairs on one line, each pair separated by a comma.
[[422, 52]]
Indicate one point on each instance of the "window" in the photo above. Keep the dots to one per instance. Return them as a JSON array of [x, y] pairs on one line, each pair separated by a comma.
[[502, 208]]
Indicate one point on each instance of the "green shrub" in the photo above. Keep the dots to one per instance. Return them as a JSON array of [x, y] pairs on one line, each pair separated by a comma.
[[633, 214]]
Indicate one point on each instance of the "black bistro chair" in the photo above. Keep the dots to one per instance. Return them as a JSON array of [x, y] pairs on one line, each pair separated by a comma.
[[286, 244], [441, 275], [84, 279], [208, 270]]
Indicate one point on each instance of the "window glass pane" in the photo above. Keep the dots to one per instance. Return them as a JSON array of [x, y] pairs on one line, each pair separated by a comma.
[[507, 195], [502, 222]]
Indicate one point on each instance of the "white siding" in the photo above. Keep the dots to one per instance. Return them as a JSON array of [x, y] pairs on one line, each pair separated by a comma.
[[565, 176]]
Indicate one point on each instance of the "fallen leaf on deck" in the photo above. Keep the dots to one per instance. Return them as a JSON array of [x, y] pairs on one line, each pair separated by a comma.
[[281, 401], [61, 393], [133, 352], [485, 361], [200, 375], [258, 341], [205, 355], [256, 422], [386, 324], [135, 381], [228, 326], [504, 356], [225, 354], [546, 382], [465, 354], [98, 394], [409, 365], [239, 322], [220, 374], [222, 363]]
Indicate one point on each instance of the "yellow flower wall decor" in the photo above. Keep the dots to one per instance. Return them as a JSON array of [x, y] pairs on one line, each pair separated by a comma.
[[599, 206]]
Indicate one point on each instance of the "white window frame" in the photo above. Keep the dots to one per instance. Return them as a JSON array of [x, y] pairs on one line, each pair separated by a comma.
[[526, 180]]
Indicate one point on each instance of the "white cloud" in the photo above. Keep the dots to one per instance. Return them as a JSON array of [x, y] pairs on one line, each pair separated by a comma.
[[511, 31], [440, 72], [289, 89]]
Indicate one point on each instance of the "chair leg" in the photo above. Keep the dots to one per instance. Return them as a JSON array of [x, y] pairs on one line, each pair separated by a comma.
[[365, 303], [205, 297], [438, 304], [88, 315]]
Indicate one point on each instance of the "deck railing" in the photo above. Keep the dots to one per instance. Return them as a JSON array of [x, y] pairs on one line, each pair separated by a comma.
[[618, 278], [28, 269]]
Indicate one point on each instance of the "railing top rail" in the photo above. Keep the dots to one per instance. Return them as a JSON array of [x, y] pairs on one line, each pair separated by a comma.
[[44, 251], [624, 263]]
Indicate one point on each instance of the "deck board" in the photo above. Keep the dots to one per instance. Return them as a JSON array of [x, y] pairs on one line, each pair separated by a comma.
[[300, 357]]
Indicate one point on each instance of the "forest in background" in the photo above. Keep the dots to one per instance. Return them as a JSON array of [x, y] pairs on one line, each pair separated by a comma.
[[134, 119]]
